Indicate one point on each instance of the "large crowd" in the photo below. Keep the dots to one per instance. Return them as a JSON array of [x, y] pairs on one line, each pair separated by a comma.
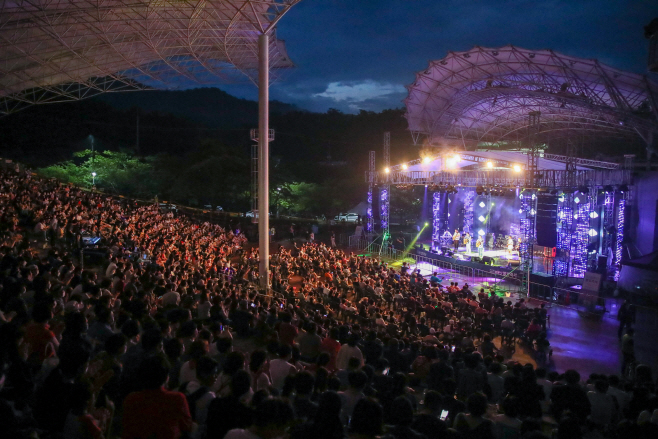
[[166, 336]]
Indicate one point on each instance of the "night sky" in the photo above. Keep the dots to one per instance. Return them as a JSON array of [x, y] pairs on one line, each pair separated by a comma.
[[359, 54]]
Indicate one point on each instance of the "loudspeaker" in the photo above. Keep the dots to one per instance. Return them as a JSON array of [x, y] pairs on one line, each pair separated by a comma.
[[547, 220], [488, 260], [602, 264], [541, 285]]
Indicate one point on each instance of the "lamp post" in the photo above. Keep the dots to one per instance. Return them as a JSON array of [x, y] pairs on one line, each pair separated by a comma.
[[93, 179]]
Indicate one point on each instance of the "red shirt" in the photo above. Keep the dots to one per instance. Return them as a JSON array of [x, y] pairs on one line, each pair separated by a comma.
[[287, 333], [330, 346], [155, 413], [38, 335]]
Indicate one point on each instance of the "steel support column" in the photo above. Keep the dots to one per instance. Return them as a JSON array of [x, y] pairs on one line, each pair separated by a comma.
[[263, 161]]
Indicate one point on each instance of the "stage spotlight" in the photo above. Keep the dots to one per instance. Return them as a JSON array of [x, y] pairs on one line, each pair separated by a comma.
[[448, 215], [427, 224], [517, 168], [533, 196], [592, 232], [520, 210], [532, 212], [405, 166], [449, 200], [481, 232], [576, 200], [489, 165], [482, 204], [481, 218], [575, 216], [593, 215], [387, 170], [427, 160]]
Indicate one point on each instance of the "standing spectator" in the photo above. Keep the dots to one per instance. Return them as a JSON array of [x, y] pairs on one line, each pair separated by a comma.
[[155, 412], [473, 424], [230, 412], [347, 351], [570, 396], [272, 419], [626, 317], [281, 367]]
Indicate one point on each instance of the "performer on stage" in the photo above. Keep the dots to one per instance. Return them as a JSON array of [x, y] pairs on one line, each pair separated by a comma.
[[479, 244], [510, 245], [455, 239], [467, 242]]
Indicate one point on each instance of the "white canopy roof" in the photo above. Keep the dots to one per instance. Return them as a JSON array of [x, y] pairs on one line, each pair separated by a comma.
[[54, 50], [486, 94]]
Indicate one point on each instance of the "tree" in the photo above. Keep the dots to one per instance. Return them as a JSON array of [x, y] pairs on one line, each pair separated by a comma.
[[118, 172]]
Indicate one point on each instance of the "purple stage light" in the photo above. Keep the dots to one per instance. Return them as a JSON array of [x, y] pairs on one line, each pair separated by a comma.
[[621, 218]]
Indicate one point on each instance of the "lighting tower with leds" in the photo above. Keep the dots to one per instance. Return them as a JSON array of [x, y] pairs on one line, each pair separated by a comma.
[[385, 192]]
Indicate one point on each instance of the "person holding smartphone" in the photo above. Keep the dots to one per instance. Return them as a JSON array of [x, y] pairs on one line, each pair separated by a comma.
[[430, 419]]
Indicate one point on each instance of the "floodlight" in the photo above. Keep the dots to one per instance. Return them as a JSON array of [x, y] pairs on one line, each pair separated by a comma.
[[405, 167], [592, 232], [482, 204], [426, 160], [387, 170], [481, 232], [481, 218], [593, 215], [489, 165], [517, 168]]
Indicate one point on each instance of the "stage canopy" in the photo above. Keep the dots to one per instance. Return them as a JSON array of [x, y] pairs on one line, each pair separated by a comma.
[[486, 94], [59, 50]]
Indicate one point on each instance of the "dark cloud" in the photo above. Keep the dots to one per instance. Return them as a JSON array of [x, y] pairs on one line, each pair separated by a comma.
[[386, 41]]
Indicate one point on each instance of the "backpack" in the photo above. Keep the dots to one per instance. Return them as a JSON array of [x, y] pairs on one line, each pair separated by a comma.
[[193, 397]]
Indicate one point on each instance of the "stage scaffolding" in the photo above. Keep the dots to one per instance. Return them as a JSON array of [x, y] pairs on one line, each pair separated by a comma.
[[545, 179]]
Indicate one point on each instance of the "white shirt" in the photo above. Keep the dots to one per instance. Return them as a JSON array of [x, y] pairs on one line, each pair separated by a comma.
[[171, 298], [187, 374], [239, 433], [279, 370], [201, 410], [345, 353], [110, 269]]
